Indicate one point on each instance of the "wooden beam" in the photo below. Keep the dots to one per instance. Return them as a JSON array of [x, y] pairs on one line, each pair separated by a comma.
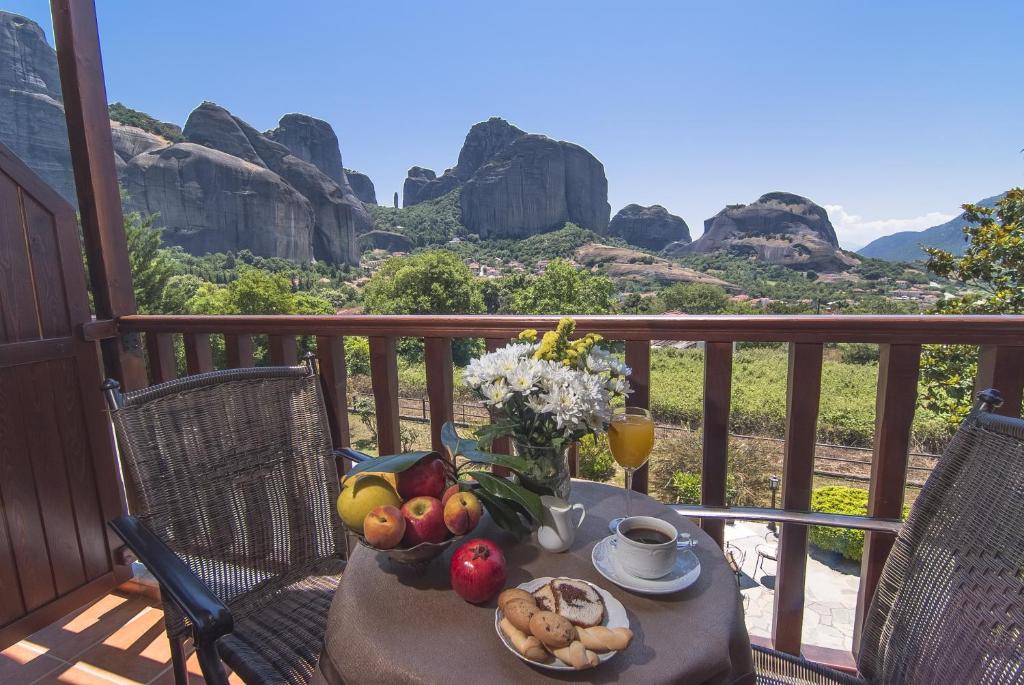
[[440, 386], [330, 351], [895, 401], [99, 198], [803, 394], [717, 399], [638, 358], [283, 350], [1002, 367], [238, 351], [163, 364], [198, 354], [384, 379]]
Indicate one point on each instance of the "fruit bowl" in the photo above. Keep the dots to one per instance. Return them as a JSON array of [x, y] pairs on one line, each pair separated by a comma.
[[416, 556]]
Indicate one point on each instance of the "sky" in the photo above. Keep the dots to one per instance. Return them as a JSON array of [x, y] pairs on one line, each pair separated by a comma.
[[888, 114]]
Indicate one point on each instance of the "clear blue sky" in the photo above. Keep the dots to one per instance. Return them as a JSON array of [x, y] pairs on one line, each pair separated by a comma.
[[890, 114]]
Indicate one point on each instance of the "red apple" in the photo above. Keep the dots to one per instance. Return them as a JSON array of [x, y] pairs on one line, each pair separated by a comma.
[[478, 570], [424, 521], [425, 478], [384, 527], [448, 493], [462, 512]]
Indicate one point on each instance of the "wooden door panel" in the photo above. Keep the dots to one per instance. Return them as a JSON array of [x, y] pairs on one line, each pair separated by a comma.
[[59, 482]]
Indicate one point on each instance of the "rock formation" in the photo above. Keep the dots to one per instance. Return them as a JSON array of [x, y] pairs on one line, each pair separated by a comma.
[[32, 121], [362, 186], [649, 227], [385, 240], [780, 228], [339, 215], [516, 184], [311, 140]]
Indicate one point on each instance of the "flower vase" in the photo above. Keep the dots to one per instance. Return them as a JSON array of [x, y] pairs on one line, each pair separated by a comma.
[[548, 467]]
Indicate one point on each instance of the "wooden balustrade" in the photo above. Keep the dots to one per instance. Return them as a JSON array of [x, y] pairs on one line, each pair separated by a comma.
[[1001, 365]]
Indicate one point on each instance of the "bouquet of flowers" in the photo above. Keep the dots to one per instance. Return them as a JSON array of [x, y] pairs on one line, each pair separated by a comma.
[[547, 395]]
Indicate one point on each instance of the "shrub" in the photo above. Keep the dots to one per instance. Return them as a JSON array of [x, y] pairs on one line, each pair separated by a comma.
[[858, 353], [686, 488], [357, 355], [595, 461], [840, 499]]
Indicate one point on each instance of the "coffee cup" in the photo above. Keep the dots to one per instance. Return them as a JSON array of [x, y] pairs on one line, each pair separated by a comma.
[[645, 547]]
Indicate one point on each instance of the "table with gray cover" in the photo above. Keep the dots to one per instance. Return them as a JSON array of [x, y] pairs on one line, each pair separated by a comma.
[[388, 624]]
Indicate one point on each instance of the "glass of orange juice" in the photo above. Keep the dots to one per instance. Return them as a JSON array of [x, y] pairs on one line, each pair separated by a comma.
[[631, 437]]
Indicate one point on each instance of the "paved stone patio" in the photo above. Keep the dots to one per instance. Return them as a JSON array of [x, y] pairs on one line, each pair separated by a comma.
[[831, 589]]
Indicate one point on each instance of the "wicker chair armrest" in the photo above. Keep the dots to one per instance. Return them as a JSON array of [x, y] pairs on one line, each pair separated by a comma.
[[354, 456], [785, 669], [809, 518], [210, 618]]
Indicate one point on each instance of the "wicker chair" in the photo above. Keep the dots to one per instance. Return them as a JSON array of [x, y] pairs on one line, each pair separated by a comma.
[[232, 483], [949, 607]]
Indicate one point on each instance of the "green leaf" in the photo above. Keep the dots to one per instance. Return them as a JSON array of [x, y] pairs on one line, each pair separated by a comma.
[[394, 463], [503, 489], [470, 450], [504, 515]]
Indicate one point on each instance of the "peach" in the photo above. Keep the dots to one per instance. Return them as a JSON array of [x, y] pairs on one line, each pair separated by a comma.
[[384, 527], [462, 512], [448, 493]]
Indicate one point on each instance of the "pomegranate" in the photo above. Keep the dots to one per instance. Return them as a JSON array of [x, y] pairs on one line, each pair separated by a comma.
[[478, 570]]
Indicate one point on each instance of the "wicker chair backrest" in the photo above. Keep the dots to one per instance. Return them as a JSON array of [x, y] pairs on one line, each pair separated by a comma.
[[234, 471], [949, 607]]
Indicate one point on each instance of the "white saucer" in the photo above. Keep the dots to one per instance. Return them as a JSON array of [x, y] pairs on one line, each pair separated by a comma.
[[683, 575]]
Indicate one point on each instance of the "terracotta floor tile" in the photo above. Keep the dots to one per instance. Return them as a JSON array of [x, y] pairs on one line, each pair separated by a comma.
[[84, 674], [25, 662], [121, 652]]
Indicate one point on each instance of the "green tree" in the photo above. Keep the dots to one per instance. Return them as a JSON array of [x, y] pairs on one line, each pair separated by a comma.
[[992, 267], [152, 265], [434, 282], [695, 298], [564, 289]]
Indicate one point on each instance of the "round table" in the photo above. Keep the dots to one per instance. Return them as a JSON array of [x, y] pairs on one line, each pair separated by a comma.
[[388, 624]]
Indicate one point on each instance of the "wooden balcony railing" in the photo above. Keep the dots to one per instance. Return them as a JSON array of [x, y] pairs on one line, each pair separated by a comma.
[[1000, 340]]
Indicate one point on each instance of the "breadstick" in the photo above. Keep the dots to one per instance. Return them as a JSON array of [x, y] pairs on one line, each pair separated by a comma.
[[527, 645], [603, 639], [577, 656]]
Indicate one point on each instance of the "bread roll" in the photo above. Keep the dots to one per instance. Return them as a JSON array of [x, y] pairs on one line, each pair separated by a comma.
[[514, 593], [603, 639], [519, 612], [552, 630], [577, 656], [527, 645]]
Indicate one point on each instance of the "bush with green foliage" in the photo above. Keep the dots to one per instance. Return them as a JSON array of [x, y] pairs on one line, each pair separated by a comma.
[[858, 353], [841, 499], [695, 298], [686, 488], [594, 459], [357, 355], [433, 222], [564, 289], [132, 117]]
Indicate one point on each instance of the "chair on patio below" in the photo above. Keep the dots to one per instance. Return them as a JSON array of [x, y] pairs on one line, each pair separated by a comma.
[[232, 485], [949, 606]]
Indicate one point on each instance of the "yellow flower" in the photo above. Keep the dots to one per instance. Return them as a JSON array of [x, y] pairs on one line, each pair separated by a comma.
[[529, 335]]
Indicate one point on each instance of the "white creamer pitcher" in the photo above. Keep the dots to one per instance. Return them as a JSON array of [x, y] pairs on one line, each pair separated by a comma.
[[557, 530]]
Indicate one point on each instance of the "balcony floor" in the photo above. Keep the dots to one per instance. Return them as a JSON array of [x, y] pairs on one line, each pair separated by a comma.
[[117, 640]]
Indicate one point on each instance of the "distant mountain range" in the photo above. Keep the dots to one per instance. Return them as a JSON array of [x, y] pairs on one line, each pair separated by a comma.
[[906, 246]]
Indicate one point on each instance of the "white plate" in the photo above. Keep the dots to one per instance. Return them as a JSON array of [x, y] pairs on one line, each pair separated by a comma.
[[615, 617], [683, 575]]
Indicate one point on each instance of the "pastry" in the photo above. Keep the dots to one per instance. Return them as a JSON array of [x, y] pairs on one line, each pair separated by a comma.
[[552, 630], [513, 593], [603, 639], [527, 645], [577, 601], [519, 612], [545, 598], [577, 656]]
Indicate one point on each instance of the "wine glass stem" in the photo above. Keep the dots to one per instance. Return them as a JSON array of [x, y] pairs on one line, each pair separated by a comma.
[[629, 488]]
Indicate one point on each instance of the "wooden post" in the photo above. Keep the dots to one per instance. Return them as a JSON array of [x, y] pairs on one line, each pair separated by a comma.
[[238, 351], [638, 358], [440, 388], [717, 399], [895, 401], [162, 364], [283, 351], [198, 354], [99, 198], [502, 445], [330, 351], [1002, 367], [803, 392], [384, 379]]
